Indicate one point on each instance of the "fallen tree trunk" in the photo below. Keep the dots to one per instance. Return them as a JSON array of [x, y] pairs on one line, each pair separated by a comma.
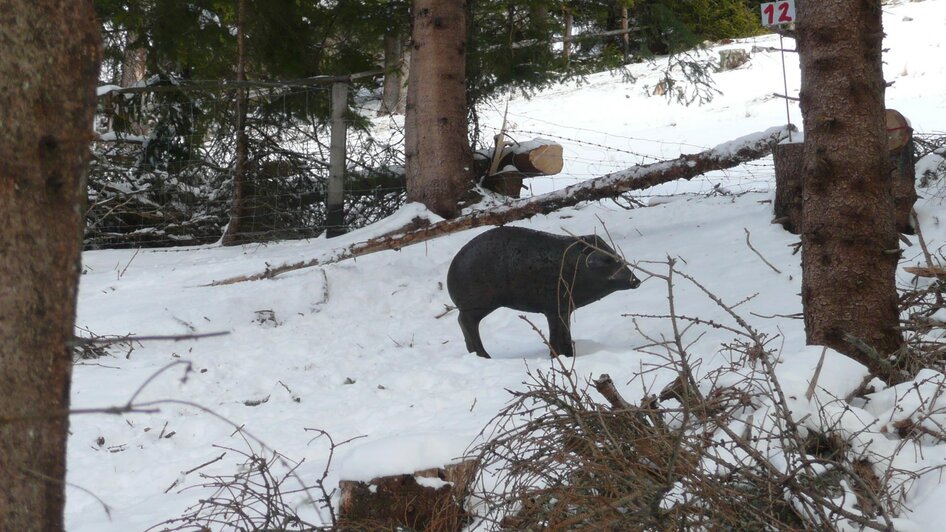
[[727, 155]]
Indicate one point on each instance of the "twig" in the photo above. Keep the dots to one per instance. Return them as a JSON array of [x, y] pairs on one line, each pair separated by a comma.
[[189, 471], [796, 316], [446, 310], [540, 333], [926, 253], [754, 250], [814, 379], [122, 273], [60, 482], [78, 342], [699, 321], [919, 234]]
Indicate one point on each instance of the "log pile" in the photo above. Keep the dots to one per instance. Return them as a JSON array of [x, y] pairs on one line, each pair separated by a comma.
[[517, 161]]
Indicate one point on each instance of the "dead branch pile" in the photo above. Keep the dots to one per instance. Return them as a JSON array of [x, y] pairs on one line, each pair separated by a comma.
[[922, 319], [725, 450], [264, 492]]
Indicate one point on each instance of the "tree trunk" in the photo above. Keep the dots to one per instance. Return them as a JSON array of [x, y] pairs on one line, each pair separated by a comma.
[[902, 169], [626, 38], [789, 158], [134, 61], [239, 208], [567, 38], [48, 73], [335, 190], [437, 150], [134, 71], [850, 245], [392, 97]]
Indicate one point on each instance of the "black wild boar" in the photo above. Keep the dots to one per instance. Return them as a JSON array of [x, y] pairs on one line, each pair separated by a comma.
[[532, 271]]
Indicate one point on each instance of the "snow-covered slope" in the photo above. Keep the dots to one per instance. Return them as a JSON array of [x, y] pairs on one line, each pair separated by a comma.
[[367, 348]]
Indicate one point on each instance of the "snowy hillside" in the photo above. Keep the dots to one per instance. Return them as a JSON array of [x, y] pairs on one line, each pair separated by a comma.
[[367, 348]]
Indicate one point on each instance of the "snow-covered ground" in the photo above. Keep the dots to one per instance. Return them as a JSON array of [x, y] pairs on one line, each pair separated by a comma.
[[366, 348]]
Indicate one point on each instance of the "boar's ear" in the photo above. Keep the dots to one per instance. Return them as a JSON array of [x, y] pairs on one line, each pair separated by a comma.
[[588, 243], [593, 243]]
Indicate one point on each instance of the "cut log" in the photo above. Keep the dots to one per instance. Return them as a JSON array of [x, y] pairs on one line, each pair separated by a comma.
[[529, 159], [537, 157], [687, 167], [899, 132]]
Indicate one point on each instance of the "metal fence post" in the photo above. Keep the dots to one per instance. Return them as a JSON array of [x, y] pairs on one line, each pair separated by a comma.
[[335, 195]]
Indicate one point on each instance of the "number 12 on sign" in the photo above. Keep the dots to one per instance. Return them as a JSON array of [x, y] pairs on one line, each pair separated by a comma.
[[776, 13]]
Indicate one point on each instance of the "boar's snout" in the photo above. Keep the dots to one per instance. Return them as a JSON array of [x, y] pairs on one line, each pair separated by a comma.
[[605, 264], [626, 277]]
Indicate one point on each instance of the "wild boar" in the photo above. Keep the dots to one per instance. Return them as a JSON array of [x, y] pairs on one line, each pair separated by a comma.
[[532, 271]]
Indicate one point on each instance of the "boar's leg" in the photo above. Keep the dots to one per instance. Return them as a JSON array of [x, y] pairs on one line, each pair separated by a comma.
[[560, 337], [470, 325]]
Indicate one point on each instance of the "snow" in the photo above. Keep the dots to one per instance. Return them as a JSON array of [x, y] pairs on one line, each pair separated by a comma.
[[105, 89], [367, 351], [110, 136], [401, 453]]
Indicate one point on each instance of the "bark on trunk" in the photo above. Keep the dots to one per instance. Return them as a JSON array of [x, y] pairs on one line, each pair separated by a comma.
[[902, 169], [48, 73], [567, 38], [134, 70], [789, 170], [626, 38], [438, 156], [134, 61], [392, 98], [239, 208], [850, 243]]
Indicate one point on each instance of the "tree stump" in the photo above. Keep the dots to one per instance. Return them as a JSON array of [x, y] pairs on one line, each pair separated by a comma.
[[431, 499], [508, 184], [789, 165], [902, 169]]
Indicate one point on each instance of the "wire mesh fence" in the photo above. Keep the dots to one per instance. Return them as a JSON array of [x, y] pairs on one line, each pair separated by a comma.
[[163, 161]]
